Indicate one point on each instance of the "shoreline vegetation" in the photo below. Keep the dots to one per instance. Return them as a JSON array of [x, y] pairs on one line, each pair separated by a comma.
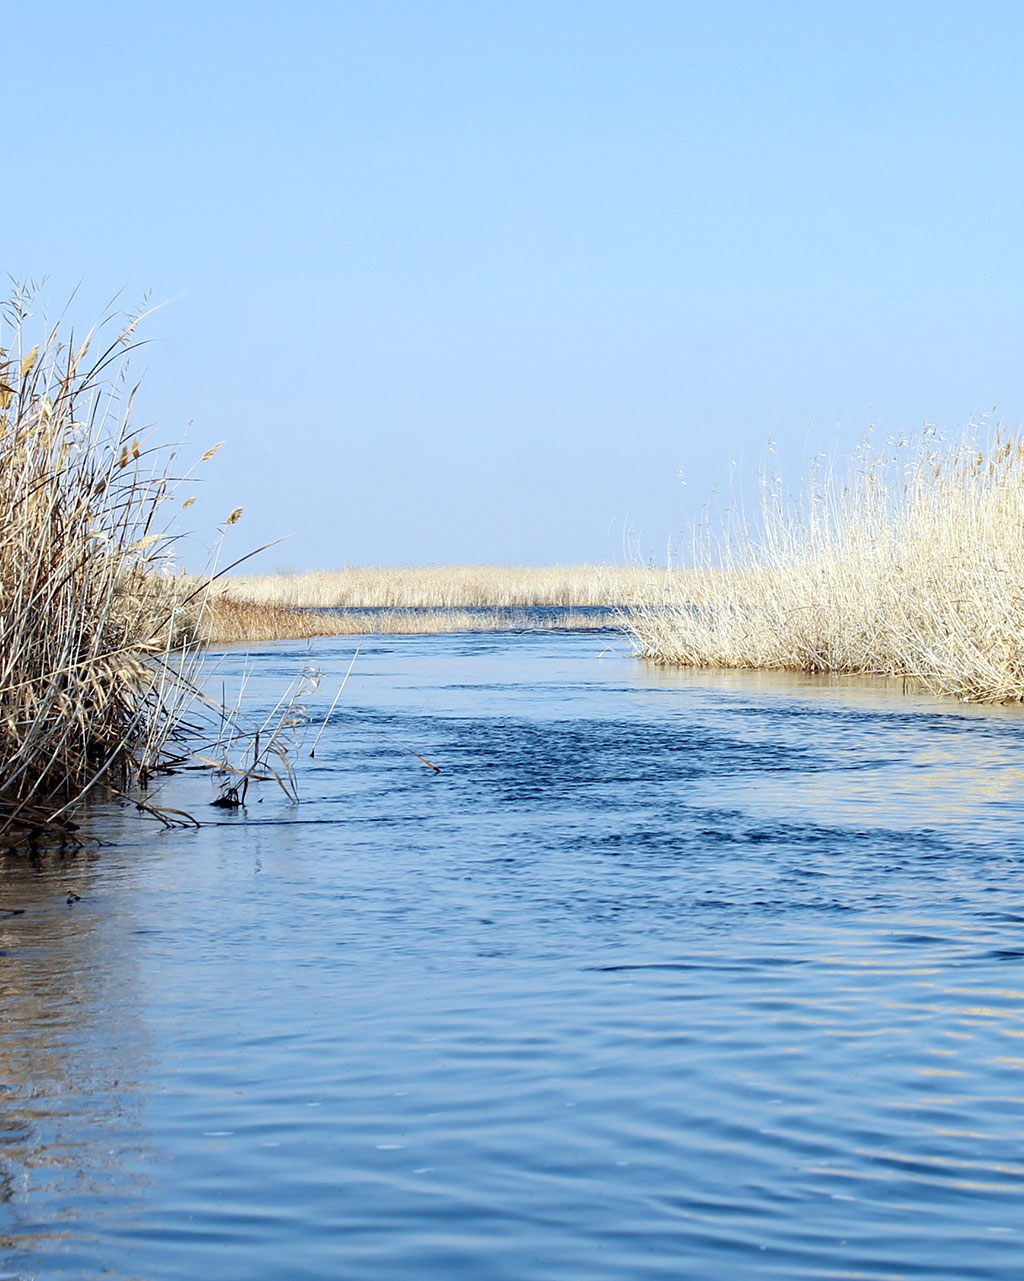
[[95, 659], [451, 587], [911, 566], [101, 639], [227, 621], [422, 600]]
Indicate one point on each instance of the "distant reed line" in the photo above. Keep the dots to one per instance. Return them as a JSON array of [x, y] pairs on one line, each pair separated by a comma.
[[234, 621], [451, 587]]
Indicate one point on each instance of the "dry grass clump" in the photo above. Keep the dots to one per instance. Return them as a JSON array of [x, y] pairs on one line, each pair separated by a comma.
[[227, 620], [913, 567], [451, 587], [88, 619]]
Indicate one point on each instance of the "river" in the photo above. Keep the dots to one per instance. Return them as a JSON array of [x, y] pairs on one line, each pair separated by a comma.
[[664, 975]]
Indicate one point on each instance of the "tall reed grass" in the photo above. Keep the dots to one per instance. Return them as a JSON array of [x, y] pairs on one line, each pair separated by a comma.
[[92, 682], [912, 566]]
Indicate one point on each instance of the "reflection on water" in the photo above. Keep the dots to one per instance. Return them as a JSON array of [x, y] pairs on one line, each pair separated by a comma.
[[69, 1056], [665, 975]]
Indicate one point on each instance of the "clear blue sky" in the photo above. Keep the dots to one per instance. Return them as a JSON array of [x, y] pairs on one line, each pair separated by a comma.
[[473, 281]]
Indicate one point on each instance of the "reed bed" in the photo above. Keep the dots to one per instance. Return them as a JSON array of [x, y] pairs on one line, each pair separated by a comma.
[[92, 681], [227, 620], [913, 566], [450, 587]]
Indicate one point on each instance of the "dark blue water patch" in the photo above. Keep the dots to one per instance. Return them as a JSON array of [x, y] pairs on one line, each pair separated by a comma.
[[732, 835], [585, 753]]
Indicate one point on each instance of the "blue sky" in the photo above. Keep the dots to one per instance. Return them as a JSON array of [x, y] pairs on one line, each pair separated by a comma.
[[474, 282]]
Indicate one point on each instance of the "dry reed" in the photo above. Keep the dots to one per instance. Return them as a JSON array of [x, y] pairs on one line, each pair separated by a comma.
[[913, 567], [451, 587], [91, 688], [227, 620]]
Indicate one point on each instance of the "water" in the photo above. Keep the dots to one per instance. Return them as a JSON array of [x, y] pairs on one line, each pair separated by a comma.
[[663, 975]]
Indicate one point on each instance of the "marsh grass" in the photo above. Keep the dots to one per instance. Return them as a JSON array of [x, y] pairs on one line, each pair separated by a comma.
[[227, 620], [913, 566], [451, 587], [94, 633], [423, 599]]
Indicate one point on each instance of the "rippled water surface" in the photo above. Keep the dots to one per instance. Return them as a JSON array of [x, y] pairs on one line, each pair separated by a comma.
[[663, 975]]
